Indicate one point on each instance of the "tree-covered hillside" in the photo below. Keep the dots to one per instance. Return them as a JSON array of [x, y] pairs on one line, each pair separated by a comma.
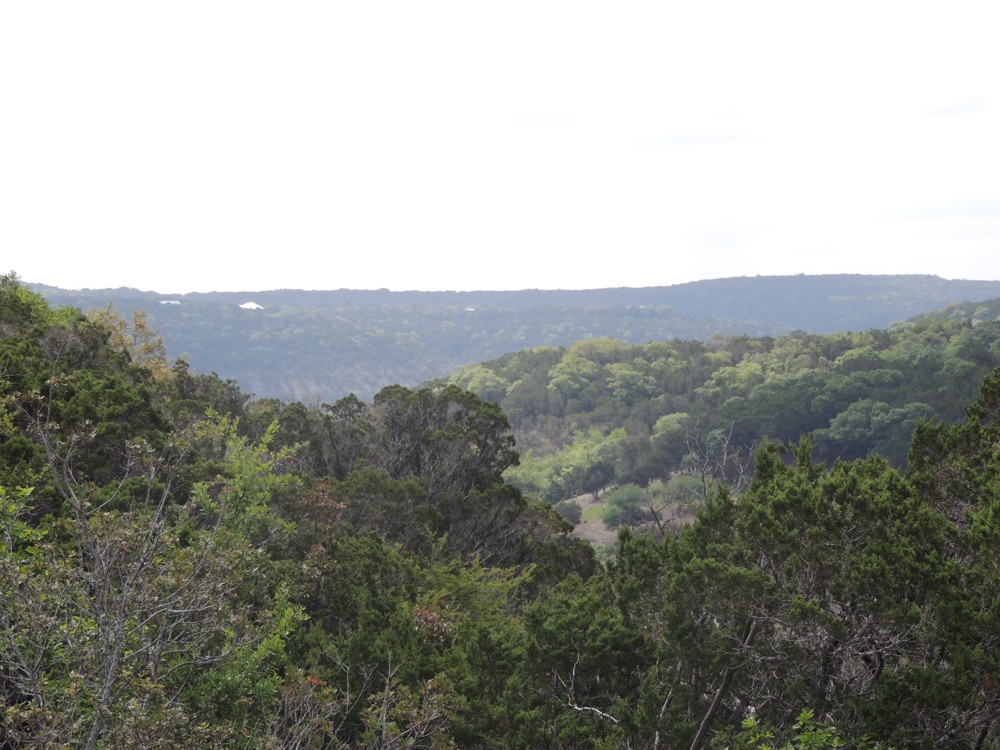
[[182, 565], [604, 412], [319, 346]]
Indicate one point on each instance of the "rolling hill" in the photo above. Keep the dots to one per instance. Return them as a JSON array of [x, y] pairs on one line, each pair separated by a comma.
[[317, 346]]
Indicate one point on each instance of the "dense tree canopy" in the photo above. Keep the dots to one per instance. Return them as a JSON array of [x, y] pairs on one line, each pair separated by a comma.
[[660, 408], [353, 341], [184, 566]]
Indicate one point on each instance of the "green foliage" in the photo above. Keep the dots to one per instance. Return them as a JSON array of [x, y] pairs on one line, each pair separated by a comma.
[[585, 466], [585, 661], [361, 575], [485, 383], [17, 533], [429, 463], [570, 510], [253, 477], [676, 402], [806, 734], [120, 595], [65, 391], [875, 426], [187, 397], [399, 716], [623, 505], [109, 611], [660, 507], [349, 341]]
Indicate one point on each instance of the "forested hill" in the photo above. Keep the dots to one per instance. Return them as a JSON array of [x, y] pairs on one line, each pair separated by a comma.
[[603, 412], [184, 567], [322, 345]]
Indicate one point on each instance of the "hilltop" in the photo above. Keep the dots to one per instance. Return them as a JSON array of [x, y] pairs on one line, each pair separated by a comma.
[[322, 345]]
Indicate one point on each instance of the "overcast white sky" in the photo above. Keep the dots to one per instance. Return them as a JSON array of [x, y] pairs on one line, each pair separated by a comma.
[[194, 145]]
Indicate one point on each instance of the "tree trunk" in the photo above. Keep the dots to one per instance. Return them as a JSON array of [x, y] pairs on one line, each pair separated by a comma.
[[720, 693]]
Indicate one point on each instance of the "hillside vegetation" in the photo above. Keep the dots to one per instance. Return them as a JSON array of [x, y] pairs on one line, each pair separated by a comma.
[[603, 412], [342, 342], [182, 565]]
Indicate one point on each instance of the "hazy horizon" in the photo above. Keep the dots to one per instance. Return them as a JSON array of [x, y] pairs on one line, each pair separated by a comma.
[[464, 291]]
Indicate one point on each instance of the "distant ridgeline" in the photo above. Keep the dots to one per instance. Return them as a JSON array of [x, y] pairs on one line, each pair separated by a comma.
[[317, 346]]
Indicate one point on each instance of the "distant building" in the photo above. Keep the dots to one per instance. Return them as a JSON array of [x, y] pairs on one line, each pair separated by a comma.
[[170, 301], [251, 306]]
